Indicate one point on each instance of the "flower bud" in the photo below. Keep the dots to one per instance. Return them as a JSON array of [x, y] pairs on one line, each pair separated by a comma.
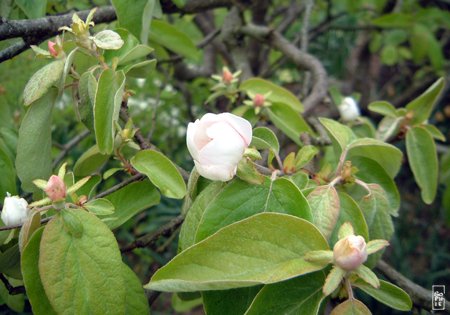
[[55, 189], [350, 252], [14, 210], [217, 144], [348, 109], [227, 76], [52, 49], [259, 100]]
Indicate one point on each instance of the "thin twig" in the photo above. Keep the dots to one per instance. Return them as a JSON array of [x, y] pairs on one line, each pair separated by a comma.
[[11, 289], [124, 183], [150, 239], [15, 226], [68, 146]]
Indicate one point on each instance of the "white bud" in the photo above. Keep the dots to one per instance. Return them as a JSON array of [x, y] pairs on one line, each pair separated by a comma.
[[14, 210], [349, 109]]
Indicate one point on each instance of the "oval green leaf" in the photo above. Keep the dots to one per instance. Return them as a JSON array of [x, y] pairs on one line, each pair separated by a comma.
[[265, 248], [324, 203], [351, 307], [288, 121], [161, 171]]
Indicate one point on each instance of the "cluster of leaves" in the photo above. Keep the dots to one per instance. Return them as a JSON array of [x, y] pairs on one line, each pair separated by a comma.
[[243, 246]]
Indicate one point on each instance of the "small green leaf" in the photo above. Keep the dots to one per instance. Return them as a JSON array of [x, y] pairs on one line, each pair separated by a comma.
[[100, 206], [72, 224], [92, 261], [42, 81], [320, 257], [173, 39], [340, 135], [264, 138], [376, 245], [305, 155], [278, 94], [31, 278], [129, 201], [161, 172], [90, 162], [394, 20], [32, 223], [247, 171], [108, 40], [422, 106], [423, 161], [386, 155], [389, 55], [108, 98], [434, 132], [351, 307], [265, 248], [324, 203], [288, 121], [301, 295], [384, 108], [345, 230], [388, 128], [368, 276], [389, 294], [87, 86], [333, 280], [35, 142]]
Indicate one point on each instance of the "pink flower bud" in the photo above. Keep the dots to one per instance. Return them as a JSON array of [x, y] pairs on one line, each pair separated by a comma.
[[217, 144], [51, 48], [227, 76], [350, 252], [259, 100], [56, 189]]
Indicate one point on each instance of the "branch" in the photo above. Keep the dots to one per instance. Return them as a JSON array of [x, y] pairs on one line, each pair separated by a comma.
[[15, 226], [126, 182], [420, 296], [150, 239], [301, 59], [11, 290], [68, 146]]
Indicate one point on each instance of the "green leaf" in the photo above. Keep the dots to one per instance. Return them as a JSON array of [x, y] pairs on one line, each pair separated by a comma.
[[129, 201], [72, 223], [370, 171], [341, 136], [234, 301], [108, 40], [31, 224], [278, 94], [239, 200], [265, 248], [423, 161], [100, 206], [135, 298], [108, 98], [350, 212], [32, 9], [173, 39], [333, 280], [324, 203], [301, 295], [422, 106], [288, 121], [389, 55], [394, 20], [90, 162], [92, 261], [389, 294], [31, 278], [87, 87], [35, 142], [384, 108], [42, 81], [351, 307], [368, 276], [10, 262], [305, 155], [434, 132], [141, 69], [161, 172], [246, 170], [388, 128], [8, 178], [388, 156], [264, 138]]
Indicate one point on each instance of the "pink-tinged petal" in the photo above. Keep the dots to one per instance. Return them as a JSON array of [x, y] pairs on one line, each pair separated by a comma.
[[224, 149], [241, 125], [222, 173], [190, 135]]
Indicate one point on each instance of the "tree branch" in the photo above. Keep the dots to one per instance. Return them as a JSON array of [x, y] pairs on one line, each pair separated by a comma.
[[68, 146], [301, 59], [420, 296], [150, 239]]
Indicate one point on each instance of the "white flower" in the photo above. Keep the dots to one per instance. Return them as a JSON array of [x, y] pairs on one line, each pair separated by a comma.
[[349, 109], [217, 144], [14, 210], [350, 252]]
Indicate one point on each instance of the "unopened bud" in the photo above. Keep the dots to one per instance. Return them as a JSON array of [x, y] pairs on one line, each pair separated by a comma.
[[52, 49], [14, 210], [350, 252], [55, 189], [227, 76], [348, 109], [259, 100]]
